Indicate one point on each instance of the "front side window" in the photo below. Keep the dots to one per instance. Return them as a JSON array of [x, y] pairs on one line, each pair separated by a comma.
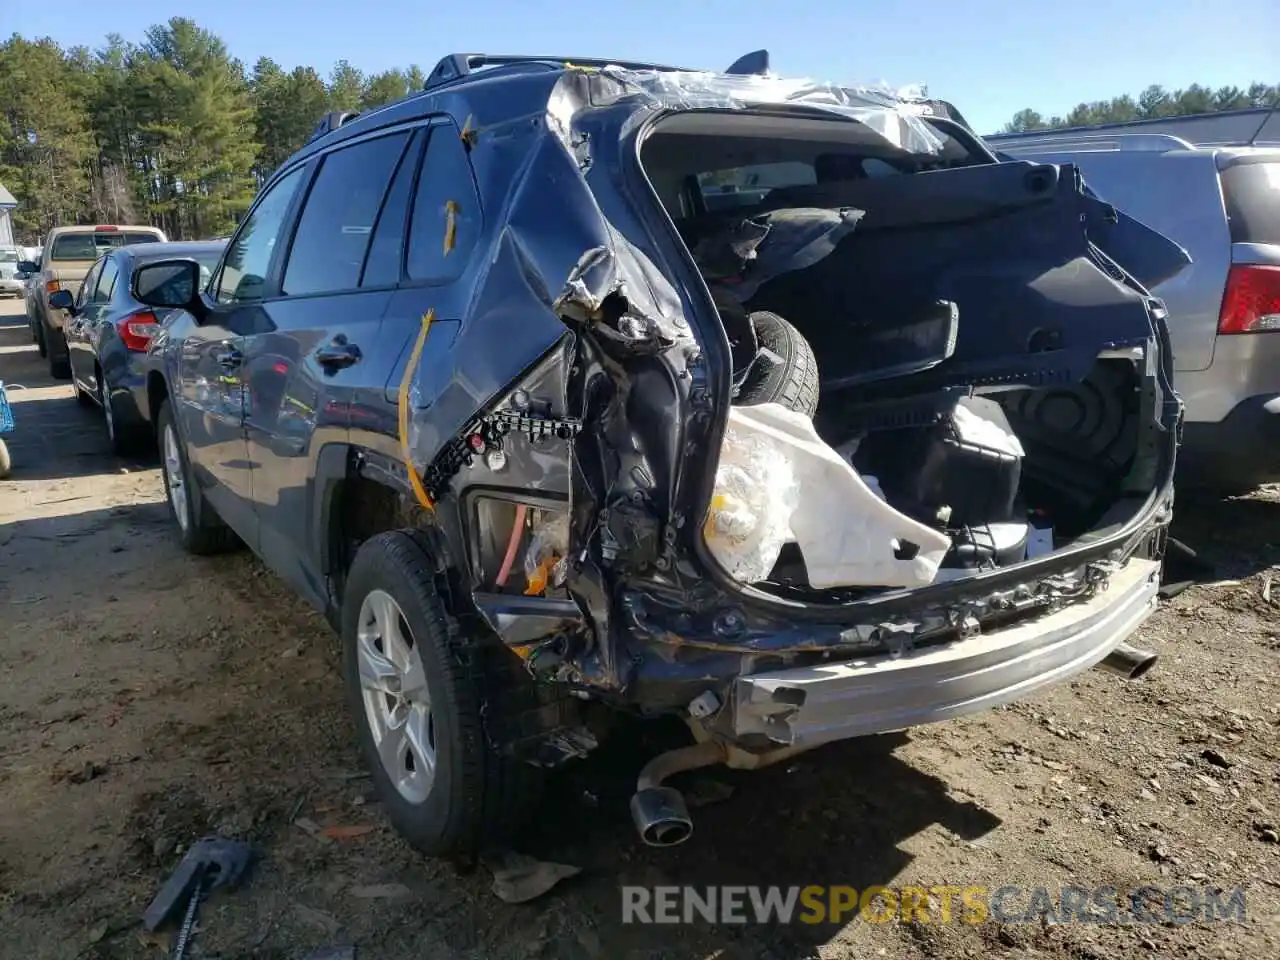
[[244, 271], [337, 220]]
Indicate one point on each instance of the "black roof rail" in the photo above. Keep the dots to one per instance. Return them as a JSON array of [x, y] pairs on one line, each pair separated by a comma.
[[457, 65], [331, 121]]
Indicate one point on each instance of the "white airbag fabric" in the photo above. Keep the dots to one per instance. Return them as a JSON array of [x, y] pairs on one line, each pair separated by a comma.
[[778, 480]]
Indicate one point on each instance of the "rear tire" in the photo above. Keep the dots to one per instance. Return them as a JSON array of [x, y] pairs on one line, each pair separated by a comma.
[[200, 529], [787, 374], [60, 369], [40, 334], [83, 398], [475, 796], [6, 465]]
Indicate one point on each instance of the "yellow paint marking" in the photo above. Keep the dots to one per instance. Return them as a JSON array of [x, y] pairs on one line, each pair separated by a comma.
[[403, 410]]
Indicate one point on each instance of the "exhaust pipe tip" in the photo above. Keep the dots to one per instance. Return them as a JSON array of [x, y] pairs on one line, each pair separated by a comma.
[[661, 817], [1129, 662]]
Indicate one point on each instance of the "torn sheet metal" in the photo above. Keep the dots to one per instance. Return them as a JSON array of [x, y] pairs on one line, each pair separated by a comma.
[[847, 535], [895, 118]]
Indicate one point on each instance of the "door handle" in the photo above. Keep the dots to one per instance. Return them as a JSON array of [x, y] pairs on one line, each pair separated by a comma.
[[229, 359], [338, 353]]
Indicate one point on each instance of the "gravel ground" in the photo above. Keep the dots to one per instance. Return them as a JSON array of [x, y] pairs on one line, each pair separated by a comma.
[[150, 698]]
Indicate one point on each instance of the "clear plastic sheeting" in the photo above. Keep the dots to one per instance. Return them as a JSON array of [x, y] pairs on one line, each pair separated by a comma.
[[778, 481], [974, 429], [755, 494], [545, 555], [894, 118]]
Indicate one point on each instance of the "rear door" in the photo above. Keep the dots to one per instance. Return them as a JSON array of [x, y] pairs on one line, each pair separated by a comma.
[[311, 354], [74, 328]]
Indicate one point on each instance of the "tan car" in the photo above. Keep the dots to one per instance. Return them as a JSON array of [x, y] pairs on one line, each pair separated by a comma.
[[68, 254]]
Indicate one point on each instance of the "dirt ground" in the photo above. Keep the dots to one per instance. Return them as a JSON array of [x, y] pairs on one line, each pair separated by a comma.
[[148, 698]]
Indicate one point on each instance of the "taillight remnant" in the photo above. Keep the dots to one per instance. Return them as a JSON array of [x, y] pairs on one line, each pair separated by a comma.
[[1251, 303], [137, 329]]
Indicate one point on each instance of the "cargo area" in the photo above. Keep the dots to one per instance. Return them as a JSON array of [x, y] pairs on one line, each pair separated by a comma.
[[988, 378]]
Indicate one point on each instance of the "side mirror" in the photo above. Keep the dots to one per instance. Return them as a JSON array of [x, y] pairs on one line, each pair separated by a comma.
[[27, 266], [62, 300], [171, 284]]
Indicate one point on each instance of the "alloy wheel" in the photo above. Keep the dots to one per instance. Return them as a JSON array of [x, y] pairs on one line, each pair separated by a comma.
[[397, 700], [176, 478]]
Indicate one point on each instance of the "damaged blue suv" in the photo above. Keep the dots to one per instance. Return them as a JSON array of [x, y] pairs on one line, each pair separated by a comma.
[[565, 386]]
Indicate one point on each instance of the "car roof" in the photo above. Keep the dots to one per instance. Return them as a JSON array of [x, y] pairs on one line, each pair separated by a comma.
[[99, 228], [512, 88], [173, 248]]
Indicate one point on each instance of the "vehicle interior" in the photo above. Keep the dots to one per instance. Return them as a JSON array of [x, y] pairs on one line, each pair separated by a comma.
[[965, 283]]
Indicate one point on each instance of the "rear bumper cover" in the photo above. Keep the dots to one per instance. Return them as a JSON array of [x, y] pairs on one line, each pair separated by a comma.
[[1241, 450], [809, 706]]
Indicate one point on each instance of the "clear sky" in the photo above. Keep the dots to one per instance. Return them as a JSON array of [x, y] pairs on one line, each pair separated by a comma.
[[989, 58]]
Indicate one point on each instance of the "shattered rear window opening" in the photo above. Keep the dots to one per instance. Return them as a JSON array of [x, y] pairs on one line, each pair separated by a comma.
[[898, 120]]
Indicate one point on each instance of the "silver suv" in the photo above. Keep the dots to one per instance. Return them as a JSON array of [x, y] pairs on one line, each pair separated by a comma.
[[1222, 204]]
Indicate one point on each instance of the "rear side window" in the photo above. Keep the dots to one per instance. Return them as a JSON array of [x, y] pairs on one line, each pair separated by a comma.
[[1252, 195], [107, 281], [446, 210], [385, 261], [337, 220], [88, 284]]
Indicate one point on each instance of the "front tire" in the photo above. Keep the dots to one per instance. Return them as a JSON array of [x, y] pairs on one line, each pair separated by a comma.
[[200, 529], [417, 706]]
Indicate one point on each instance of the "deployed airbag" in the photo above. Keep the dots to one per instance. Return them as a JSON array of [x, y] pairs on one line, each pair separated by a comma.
[[778, 481]]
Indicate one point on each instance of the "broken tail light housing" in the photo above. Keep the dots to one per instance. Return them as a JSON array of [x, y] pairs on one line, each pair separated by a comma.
[[1251, 303], [137, 329]]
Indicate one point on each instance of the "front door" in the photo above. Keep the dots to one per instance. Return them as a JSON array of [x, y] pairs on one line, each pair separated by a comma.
[[212, 387], [314, 353]]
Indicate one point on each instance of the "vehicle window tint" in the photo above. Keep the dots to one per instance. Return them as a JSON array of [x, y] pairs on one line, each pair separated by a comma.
[[875, 167], [1252, 194], [746, 186], [88, 284], [383, 265], [74, 246], [244, 271], [446, 211], [106, 281], [337, 220], [141, 238]]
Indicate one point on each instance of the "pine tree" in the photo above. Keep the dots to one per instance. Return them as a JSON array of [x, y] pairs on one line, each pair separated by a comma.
[[45, 143]]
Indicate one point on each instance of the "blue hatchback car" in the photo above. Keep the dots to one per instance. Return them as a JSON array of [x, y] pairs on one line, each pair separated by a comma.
[[108, 333]]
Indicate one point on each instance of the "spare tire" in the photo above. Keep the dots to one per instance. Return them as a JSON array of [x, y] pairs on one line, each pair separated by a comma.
[[785, 370]]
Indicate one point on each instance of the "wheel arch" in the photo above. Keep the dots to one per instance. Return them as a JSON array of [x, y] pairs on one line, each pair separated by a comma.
[[357, 494]]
